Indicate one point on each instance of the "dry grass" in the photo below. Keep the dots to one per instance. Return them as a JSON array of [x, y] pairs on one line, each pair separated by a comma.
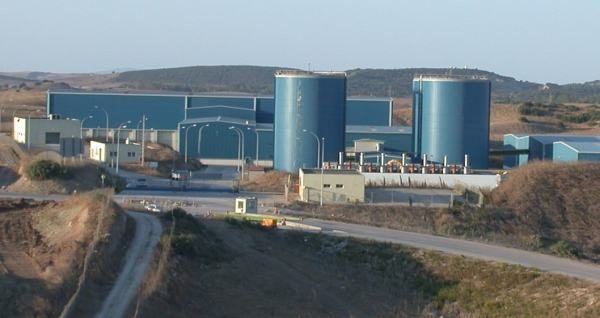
[[278, 273], [553, 208]]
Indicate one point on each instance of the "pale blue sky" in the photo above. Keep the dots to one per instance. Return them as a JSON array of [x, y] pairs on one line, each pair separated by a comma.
[[543, 41]]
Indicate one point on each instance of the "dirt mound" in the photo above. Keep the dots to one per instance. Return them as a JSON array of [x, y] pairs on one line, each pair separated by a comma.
[[80, 178], [43, 246], [272, 181], [559, 201], [167, 159]]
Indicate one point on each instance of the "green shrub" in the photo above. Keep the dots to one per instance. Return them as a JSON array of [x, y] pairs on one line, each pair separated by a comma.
[[564, 249], [44, 170]]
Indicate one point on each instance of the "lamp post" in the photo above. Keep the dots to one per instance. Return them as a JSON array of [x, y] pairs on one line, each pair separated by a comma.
[[187, 130], [256, 132], [200, 137], [318, 144], [105, 113], [81, 129], [322, 160], [119, 141], [240, 148], [144, 118]]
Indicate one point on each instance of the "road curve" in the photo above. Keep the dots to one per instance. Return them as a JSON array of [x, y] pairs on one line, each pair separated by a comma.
[[137, 261], [461, 247]]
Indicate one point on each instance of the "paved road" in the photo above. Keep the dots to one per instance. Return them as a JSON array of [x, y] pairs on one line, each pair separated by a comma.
[[461, 247], [147, 234]]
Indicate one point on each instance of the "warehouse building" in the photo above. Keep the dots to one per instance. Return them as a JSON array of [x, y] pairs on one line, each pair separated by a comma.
[[204, 122], [549, 147]]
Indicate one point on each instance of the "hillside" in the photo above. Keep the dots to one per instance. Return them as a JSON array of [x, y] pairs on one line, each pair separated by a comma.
[[361, 82], [552, 208], [43, 249], [232, 269]]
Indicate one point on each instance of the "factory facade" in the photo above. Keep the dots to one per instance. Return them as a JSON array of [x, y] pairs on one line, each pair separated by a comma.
[[558, 148], [211, 127]]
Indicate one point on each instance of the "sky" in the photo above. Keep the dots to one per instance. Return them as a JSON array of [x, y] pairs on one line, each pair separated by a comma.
[[542, 41]]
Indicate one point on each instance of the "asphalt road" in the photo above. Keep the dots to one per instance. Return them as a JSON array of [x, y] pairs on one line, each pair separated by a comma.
[[460, 247], [218, 201], [147, 234]]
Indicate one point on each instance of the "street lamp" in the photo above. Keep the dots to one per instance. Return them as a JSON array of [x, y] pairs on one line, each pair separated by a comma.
[[318, 145], [200, 137], [105, 113], [81, 130], [256, 132], [322, 160], [240, 148], [122, 125], [186, 143]]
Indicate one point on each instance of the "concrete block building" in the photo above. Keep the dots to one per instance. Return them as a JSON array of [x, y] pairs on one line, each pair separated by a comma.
[[107, 152], [337, 186], [42, 131]]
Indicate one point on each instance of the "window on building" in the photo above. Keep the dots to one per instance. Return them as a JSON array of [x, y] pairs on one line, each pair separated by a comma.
[[52, 138], [339, 186], [326, 185]]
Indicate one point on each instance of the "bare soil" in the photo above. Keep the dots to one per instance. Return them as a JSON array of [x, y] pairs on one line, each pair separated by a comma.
[[42, 251], [271, 181]]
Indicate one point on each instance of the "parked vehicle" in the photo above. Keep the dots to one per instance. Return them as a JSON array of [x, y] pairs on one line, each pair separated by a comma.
[[152, 208]]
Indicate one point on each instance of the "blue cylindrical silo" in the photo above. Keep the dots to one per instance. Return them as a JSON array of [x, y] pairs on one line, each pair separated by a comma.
[[451, 117], [308, 105]]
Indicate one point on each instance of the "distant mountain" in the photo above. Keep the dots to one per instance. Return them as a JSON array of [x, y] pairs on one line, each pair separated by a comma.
[[361, 82]]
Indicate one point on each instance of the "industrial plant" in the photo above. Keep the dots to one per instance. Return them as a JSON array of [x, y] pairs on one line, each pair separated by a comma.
[[309, 123]]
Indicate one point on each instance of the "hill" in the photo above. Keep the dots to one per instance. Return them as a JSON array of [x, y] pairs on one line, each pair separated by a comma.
[[361, 82]]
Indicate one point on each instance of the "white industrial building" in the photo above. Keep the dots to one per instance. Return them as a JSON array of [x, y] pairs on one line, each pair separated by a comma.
[[336, 186], [107, 152], [42, 131]]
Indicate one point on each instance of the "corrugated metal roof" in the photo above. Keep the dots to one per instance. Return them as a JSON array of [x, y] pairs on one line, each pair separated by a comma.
[[183, 94], [583, 147], [548, 139]]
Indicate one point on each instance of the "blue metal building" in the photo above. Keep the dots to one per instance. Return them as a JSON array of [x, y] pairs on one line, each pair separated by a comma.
[[576, 151], [451, 117], [544, 147], [309, 106], [167, 113]]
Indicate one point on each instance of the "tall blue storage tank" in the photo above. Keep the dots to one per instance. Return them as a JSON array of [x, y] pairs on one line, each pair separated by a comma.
[[308, 103], [451, 117]]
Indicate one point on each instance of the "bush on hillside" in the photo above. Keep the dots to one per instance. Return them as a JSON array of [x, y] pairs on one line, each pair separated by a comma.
[[44, 170]]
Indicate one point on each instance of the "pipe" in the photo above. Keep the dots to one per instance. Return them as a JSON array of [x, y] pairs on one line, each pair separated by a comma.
[[424, 168], [466, 169]]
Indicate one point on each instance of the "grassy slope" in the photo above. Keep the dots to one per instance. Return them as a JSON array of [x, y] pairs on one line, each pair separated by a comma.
[[240, 270], [539, 206]]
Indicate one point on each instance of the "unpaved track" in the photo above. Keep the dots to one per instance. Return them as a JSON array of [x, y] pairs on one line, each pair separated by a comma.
[[147, 234]]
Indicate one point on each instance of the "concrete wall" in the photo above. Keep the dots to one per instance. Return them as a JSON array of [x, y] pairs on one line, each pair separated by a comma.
[[342, 188], [432, 180]]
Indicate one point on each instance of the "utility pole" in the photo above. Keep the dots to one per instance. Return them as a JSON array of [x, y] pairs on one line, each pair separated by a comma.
[[322, 157]]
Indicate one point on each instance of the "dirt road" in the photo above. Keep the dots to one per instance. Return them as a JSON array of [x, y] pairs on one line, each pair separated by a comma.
[[147, 234]]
